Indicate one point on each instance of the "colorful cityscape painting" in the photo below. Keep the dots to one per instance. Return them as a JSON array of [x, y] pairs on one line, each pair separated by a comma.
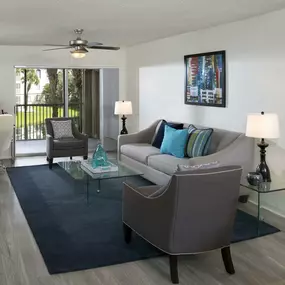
[[205, 79]]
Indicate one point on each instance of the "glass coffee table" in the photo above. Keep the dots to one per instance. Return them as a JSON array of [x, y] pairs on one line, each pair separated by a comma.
[[277, 185], [74, 169]]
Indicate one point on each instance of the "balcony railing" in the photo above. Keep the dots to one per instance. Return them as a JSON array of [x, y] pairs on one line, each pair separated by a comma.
[[30, 119]]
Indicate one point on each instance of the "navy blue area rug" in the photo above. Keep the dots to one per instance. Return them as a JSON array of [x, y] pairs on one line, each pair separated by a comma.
[[72, 235]]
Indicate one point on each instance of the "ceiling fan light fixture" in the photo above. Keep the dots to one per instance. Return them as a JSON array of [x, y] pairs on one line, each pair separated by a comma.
[[78, 53], [80, 46]]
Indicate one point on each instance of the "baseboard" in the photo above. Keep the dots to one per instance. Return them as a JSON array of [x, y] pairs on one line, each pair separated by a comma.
[[268, 215], [5, 157], [31, 154], [268, 209]]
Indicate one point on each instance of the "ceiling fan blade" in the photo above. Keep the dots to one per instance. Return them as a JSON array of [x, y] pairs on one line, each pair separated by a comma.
[[91, 44], [57, 48], [104, 47], [52, 45]]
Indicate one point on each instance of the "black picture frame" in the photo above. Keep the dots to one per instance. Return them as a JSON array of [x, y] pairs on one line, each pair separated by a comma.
[[205, 79]]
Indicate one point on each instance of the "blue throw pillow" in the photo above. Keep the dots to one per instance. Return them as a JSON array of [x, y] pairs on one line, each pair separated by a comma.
[[174, 141], [158, 137]]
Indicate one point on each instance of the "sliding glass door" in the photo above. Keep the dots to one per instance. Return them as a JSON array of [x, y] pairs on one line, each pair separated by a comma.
[[46, 93]]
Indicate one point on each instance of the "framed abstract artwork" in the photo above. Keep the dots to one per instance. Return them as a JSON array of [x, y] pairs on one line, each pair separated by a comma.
[[205, 79]]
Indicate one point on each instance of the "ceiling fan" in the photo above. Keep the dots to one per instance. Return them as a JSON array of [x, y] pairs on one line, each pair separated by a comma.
[[79, 46]]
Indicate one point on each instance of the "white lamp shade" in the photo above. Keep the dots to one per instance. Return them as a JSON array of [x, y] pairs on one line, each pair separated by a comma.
[[123, 108], [262, 126]]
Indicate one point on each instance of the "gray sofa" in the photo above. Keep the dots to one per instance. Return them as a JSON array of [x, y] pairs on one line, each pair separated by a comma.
[[227, 147]]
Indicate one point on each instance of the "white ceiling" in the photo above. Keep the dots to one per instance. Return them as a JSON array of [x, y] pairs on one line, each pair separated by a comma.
[[118, 22]]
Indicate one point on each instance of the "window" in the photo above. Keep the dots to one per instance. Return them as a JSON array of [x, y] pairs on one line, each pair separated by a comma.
[[39, 73], [38, 98], [18, 87], [18, 99]]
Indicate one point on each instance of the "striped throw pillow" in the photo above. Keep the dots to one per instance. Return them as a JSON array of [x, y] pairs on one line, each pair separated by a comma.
[[198, 142]]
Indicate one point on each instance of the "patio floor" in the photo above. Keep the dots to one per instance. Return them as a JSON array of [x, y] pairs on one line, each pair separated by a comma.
[[38, 147]]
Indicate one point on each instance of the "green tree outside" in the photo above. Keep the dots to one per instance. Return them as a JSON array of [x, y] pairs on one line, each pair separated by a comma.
[[32, 77], [52, 94]]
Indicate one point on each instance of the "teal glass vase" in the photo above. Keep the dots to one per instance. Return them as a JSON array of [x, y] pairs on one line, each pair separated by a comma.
[[99, 158]]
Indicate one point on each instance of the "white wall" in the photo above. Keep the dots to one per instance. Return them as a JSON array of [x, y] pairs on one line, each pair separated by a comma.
[[11, 56], [255, 52]]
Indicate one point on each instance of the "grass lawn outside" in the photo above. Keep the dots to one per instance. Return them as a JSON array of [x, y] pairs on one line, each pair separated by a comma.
[[37, 115]]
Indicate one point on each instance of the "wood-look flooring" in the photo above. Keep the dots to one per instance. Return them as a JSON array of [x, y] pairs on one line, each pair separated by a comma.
[[258, 261]]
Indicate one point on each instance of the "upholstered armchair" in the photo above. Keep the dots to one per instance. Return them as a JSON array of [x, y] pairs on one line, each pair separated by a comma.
[[65, 146], [193, 213], [6, 133]]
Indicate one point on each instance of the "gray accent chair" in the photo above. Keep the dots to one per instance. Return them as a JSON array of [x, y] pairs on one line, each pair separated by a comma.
[[193, 213], [65, 147]]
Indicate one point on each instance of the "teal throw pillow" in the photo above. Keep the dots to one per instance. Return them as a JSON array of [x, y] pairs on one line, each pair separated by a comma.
[[159, 134], [199, 141], [174, 141]]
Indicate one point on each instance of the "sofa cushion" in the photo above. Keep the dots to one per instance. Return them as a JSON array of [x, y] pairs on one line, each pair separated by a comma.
[[166, 163], [159, 133], [68, 143], [139, 151]]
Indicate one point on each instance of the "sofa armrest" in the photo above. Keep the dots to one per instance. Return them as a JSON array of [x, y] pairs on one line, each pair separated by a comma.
[[49, 138], [144, 136], [150, 217], [239, 152], [79, 135]]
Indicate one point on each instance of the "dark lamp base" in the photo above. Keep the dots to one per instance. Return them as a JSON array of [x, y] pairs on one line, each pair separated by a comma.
[[263, 168], [124, 130]]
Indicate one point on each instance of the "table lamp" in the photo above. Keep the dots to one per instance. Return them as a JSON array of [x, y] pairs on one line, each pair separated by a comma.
[[263, 126], [123, 108]]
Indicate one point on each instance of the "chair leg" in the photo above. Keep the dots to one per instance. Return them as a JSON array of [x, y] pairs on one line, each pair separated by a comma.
[[227, 258], [127, 233], [71, 157], [173, 263], [85, 157], [50, 162]]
